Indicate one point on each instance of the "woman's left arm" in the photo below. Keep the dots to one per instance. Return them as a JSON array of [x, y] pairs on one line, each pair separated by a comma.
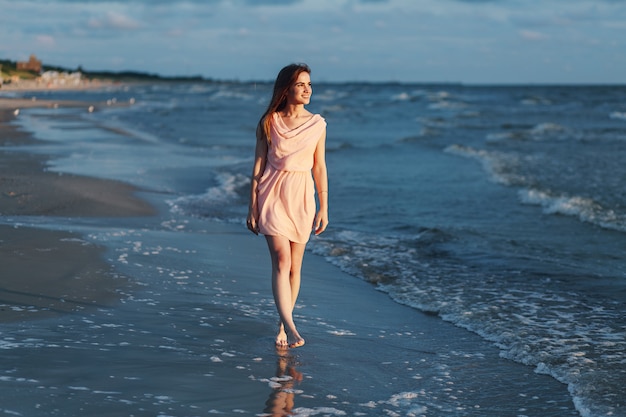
[[320, 176]]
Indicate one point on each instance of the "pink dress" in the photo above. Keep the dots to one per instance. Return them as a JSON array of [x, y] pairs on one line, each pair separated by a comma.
[[286, 191]]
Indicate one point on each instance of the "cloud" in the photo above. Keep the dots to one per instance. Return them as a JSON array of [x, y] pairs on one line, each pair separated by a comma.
[[171, 2], [126, 2], [175, 33], [45, 40], [531, 35], [271, 2], [113, 20], [424, 40]]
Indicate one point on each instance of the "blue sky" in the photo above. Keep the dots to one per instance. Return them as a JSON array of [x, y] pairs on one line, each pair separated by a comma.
[[469, 41]]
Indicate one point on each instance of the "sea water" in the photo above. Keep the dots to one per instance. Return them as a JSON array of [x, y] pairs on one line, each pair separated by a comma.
[[502, 209]]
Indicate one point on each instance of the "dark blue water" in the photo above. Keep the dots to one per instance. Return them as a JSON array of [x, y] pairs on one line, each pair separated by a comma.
[[502, 209]]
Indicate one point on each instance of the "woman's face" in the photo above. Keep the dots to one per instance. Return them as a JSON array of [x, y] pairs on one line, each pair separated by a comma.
[[300, 92]]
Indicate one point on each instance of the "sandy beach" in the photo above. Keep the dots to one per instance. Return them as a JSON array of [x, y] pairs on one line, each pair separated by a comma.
[[47, 272], [39, 85]]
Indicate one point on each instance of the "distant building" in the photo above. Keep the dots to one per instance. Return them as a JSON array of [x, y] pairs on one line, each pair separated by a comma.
[[33, 64], [57, 79]]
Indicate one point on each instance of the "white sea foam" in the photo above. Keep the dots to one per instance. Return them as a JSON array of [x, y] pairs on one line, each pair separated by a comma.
[[14, 379], [586, 209], [497, 164], [214, 199], [557, 333], [329, 95], [542, 132], [446, 105], [535, 101], [229, 94], [325, 411], [618, 115], [401, 97], [500, 167], [200, 88], [77, 388], [341, 333], [547, 129], [406, 96], [578, 206]]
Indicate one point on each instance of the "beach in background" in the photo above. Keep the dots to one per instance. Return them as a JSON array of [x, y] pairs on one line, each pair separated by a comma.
[[474, 263]]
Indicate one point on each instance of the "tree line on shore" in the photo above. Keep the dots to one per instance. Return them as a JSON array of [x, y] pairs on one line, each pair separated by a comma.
[[9, 69]]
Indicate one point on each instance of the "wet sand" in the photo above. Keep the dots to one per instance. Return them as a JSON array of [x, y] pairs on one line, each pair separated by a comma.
[[47, 272]]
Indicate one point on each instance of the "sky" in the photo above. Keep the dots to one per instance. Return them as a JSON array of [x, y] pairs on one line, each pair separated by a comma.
[[430, 41]]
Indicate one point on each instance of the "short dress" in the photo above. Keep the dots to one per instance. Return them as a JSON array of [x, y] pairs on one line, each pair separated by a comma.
[[286, 191]]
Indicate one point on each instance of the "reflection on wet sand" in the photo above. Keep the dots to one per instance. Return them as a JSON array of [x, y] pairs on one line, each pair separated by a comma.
[[281, 400]]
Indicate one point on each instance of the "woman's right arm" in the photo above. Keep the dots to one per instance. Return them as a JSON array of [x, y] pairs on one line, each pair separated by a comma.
[[260, 159]]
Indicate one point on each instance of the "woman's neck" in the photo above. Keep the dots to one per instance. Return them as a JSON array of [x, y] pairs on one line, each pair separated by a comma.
[[293, 111]]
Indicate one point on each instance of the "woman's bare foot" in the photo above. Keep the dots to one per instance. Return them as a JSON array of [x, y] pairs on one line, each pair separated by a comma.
[[298, 342], [284, 342], [281, 337]]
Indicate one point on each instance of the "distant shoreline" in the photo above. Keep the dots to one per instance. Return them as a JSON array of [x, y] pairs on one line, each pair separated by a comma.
[[37, 85]]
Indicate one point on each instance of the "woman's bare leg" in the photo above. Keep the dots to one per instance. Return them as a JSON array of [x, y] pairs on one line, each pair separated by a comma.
[[285, 256], [297, 255]]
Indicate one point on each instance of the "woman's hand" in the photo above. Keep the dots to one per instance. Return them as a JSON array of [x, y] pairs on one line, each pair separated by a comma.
[[321, 221], [252, 223]]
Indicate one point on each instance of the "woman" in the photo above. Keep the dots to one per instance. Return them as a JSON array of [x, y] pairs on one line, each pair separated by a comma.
[[290, 146]]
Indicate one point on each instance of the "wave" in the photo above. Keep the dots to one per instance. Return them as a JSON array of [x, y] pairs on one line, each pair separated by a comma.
[[329, 95], [618, 115], [401, 97], [229, 94], [535, 101], [500, 165], [585, 209], [223, 202], [423, 133], [409, 96], [529, 318], [547, 131], [506, 169], [447, 105]]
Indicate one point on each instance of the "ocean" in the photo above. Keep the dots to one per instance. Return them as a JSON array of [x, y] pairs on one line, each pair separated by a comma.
[[499, 209]]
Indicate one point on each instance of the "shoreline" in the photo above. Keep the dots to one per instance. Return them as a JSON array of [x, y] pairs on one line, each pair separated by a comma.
[[47, 272], [40, 86], [10, 107]]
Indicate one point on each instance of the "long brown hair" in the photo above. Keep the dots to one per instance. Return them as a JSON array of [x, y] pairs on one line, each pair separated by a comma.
[[285, 79]]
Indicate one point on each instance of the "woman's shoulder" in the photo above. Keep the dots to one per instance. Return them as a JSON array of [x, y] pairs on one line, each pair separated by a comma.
[[315, 116], [318, 118]]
